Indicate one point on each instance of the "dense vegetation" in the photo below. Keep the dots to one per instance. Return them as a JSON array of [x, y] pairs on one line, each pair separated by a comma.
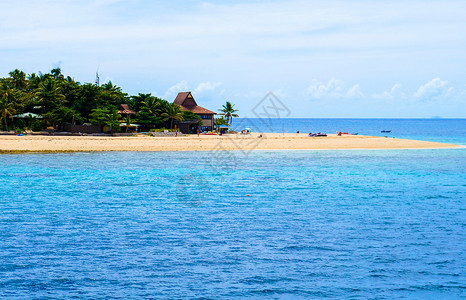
[[59, 100]]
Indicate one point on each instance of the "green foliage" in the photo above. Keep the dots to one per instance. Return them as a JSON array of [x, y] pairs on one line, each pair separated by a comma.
[[228, 111], [189, 115], [36, 125], [6, 104], [221, 121], [49, 95], [60, 99], [62, 115], [87, 99], [162, 129], [98, 116], [105, 116], [172, 113]]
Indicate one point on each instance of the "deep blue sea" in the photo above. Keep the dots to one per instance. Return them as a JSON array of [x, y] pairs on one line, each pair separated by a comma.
[[346, 224]]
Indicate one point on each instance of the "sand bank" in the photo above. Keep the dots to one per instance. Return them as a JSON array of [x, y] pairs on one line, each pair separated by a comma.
[[269, 141]]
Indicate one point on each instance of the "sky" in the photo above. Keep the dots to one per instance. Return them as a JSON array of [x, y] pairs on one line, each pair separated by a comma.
[[321, 59]]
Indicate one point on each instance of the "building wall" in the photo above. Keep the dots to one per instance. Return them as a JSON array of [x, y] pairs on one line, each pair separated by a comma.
[[207, 122], [82, 128]]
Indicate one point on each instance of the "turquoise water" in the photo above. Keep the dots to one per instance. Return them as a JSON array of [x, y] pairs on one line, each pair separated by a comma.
[[437, 130], [353, 224]]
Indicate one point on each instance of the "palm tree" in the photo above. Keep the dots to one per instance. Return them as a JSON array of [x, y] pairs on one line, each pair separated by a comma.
[[6, 107], [151, 105], [33, 82], [136, 102], [128, 122], [173, 113], [56, 73], [18, 78], [110, 87], [228, 111], [49, 94]]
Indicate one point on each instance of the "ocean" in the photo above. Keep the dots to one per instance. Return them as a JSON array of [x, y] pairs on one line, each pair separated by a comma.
[[436, 130], [344, 224]]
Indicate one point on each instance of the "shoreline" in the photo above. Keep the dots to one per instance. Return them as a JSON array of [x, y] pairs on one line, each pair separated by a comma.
[[229, 142]]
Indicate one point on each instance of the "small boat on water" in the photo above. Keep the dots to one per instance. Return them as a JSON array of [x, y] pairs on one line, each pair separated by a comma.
[[386, 131]]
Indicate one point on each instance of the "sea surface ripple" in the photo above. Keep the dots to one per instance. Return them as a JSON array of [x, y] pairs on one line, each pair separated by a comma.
[[265, 224]]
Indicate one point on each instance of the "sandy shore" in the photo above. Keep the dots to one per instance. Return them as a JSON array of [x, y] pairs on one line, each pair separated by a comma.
[[269, 141]]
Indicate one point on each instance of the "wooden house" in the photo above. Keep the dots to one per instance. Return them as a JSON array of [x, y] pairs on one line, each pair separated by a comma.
[[187, 103]]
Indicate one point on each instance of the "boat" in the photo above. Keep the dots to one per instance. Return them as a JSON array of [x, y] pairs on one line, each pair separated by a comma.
[[317, 134], [386, 131]]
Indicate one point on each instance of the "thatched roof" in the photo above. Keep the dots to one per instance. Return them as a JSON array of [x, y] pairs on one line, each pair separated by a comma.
[[187, 102], [123, 109]]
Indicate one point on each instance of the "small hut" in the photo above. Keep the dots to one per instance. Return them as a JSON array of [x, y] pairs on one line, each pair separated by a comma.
[[124, 111]]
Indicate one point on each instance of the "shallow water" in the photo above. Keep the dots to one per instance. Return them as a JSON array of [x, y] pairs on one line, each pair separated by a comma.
[[316, 224]]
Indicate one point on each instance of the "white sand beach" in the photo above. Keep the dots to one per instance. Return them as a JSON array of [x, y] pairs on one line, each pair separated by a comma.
[[268, 141]]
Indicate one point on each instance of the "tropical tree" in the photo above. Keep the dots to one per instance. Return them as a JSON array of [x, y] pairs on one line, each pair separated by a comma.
[[172, 113], [105, 116], [128, 122], [56, 73], [49, 95], [87, 99], [62, 115], [111, 94], [136, 102], [70, 89], [189, 115], [33, 82], [228, 111], [18, 79], [221, 121], [113, 119], [6, 108], [98, 116], [151, 105]]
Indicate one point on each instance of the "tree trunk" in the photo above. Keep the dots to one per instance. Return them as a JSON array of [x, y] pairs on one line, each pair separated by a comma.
[[171, 124], [6, 125]]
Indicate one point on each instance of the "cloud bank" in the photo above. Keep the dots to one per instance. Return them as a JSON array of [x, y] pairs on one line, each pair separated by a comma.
[[250, 47]]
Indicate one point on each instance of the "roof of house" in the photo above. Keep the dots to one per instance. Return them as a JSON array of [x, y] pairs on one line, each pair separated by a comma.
[[187, 102], [124, 110]]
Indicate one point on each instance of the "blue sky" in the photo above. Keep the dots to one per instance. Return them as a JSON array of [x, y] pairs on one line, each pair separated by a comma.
[[320, 58]]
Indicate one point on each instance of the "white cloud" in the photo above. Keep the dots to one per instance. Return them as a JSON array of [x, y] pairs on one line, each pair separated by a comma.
[[434, 89], [206, 86], [181, 86], [354, 92], [395, 92], [396, 89], [254, 45], [333, 88]]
